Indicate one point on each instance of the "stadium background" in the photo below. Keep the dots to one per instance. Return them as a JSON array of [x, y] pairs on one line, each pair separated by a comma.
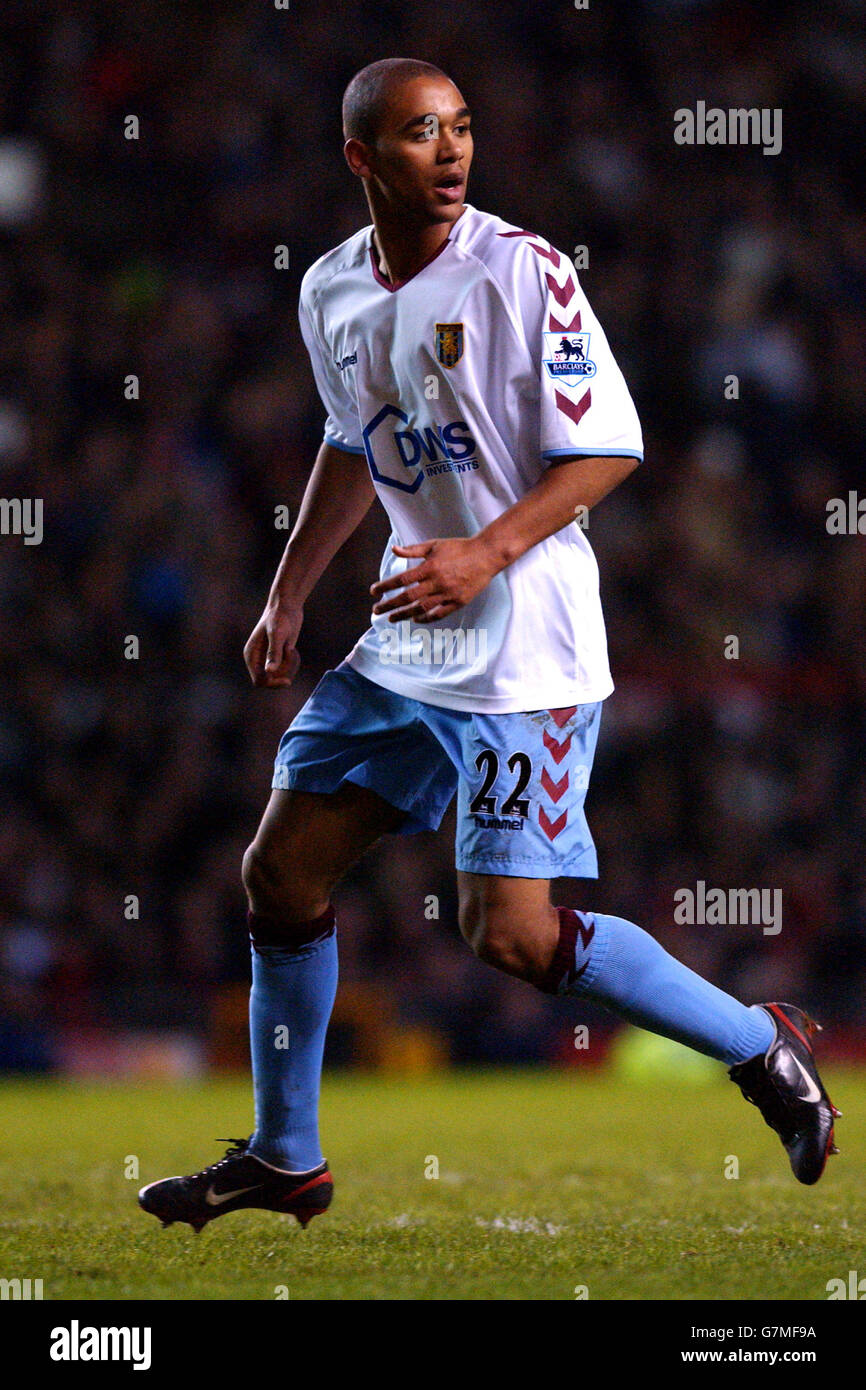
[[156, 257]]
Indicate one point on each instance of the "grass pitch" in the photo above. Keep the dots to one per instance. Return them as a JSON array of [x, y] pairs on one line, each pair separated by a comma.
[[548, 1181]]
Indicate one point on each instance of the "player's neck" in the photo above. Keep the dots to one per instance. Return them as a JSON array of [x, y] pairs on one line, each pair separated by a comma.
[[401, 250]]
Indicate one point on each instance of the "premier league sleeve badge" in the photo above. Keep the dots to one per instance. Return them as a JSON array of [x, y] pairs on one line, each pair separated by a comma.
[[567, 357]]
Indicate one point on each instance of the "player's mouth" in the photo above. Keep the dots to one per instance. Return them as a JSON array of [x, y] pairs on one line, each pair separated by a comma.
[[450, 187]]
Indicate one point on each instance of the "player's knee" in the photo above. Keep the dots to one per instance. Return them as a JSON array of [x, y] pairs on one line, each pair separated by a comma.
[[491, 931], [494, 950], [259, 879], [282, 889]]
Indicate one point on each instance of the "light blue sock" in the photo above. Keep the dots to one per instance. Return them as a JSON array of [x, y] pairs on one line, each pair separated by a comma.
[[624, 968], [290, 1005]]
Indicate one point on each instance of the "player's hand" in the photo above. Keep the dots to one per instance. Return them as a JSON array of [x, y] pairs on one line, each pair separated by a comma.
[[449, 574], [270, 651]]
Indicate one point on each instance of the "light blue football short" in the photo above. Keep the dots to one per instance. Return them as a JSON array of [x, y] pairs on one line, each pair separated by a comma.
[[521, 779]]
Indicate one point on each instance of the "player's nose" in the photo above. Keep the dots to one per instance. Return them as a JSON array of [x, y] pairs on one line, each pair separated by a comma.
[[451, 147]]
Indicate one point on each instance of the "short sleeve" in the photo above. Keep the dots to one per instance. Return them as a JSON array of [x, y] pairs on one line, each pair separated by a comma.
[[585, 405], [342, 426]]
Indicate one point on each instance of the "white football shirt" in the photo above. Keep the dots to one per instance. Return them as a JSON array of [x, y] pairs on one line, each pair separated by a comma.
[[458, 388]]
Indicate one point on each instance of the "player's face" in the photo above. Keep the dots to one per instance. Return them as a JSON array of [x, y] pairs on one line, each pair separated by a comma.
[[420, 161]]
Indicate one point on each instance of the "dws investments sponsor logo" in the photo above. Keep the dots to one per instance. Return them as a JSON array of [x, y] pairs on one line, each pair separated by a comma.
[[395, 449], [77, 1343]]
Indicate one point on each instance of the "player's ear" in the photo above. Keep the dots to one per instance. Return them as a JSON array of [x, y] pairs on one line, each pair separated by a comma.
[[357, 158]]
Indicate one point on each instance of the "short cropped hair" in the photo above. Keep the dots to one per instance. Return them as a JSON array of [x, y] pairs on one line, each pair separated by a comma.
[[368, 93]]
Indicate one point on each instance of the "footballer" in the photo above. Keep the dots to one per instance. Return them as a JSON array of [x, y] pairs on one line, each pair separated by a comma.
[[469, 386]]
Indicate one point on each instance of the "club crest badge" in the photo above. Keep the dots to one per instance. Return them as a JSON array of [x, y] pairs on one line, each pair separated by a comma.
[[449, 343], [567, 357]]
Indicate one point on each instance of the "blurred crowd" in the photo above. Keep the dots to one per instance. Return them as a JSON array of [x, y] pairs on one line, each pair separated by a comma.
[[132, 778]]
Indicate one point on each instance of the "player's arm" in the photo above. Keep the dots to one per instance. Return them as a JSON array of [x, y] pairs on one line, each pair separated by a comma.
[[451, 571], [336, 500]]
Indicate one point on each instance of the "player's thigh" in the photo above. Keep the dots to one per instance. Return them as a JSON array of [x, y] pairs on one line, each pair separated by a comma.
[[308, 840]]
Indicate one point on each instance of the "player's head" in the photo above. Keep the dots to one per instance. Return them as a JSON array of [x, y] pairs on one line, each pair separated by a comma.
[[407, 136]]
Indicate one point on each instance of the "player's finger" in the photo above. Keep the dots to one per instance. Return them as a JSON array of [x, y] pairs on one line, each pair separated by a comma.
[[285, 673], [391, 604], [276, 650], [398, 581], [416, 591], [405, 613], [421, 548], [442, 609], [277, 677], [254, 655], [418, 609]]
